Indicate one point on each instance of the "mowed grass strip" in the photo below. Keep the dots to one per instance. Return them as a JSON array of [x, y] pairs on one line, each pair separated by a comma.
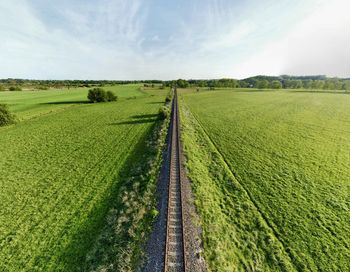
[[55, 173], [290, 152]]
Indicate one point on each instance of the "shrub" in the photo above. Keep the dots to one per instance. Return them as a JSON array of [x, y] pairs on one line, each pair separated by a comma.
[[6, 118], [154, 213], [15, 89], [2, 89], [111, 96], [97, 95], [168, 99], [164, 112]]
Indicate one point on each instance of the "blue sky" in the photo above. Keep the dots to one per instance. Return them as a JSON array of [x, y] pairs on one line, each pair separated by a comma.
[[144, 39]]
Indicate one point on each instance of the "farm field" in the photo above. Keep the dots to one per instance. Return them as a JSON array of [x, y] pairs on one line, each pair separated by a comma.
[[28, 104], [63, 171], [277, 185]]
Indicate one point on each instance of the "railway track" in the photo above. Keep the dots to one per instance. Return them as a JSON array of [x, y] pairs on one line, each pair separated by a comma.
[[175, 257]]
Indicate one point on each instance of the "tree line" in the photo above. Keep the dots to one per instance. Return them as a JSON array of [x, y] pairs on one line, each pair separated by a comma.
[[259, 82], [12, 84], [267, 82]]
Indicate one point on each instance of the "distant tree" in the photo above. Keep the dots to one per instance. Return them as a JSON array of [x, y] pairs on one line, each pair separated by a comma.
[[180, 83], [317, 84], [15, 89], [44, 88], [345, 85], [243, 84], [6, 118], [225, 83], [297, 84], [329, 85], [337, 84], [2, 88], [276, 84], [293, 84], [307, 84], [262, 84]]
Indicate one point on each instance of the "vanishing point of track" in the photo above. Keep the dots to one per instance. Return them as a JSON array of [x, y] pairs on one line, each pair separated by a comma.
[[175, 257]]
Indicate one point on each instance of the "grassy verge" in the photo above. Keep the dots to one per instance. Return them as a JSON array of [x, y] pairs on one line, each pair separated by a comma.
[[235, 235], [128, 222]]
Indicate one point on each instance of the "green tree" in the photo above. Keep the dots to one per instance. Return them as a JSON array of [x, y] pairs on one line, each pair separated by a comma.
[[293, 84], [181, 83], [307, 84], [15, 89], [6, 117], [317, 84], [164, 112], [97, 95], [226, 83], [297, 84], [276, 84], [262, 84], [110, 96]]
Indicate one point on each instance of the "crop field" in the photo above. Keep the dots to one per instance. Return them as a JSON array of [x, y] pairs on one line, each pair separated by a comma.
[[271, 176], [62, 165]]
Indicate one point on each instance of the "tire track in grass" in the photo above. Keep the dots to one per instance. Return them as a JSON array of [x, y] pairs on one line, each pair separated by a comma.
[[236, 177]]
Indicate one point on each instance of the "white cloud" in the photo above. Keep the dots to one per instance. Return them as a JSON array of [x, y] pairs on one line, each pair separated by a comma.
[[317, 45], [31, 49], [124, 40], [230, 38]]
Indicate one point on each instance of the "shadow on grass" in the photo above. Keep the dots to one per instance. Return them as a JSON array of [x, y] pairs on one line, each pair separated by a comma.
[[142, 116], [67, 102], [138, 121], [73, 256], [156, 103]]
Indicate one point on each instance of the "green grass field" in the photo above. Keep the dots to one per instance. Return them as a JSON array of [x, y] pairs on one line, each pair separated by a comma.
[[66, 165], [271, 175], [28, 104]]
